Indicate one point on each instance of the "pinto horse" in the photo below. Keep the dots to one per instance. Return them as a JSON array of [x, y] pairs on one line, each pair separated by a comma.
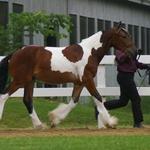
[[76, 63]]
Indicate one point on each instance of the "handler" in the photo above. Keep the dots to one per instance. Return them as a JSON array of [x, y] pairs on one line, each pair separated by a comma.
[[126, 68]]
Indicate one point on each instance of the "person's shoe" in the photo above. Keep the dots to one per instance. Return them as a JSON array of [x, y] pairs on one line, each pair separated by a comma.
[[138, 125]]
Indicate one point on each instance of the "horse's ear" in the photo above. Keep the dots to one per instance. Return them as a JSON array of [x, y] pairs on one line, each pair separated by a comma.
[[119, 24]]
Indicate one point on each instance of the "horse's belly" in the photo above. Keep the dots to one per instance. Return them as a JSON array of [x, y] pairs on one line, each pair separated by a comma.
[[56, 77], [64, 67]]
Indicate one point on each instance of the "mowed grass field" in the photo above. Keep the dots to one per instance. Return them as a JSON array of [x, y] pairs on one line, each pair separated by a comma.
[[16, 118], [76, 143]]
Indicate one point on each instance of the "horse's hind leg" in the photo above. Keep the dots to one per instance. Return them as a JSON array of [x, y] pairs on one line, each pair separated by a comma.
[[3, 98], [60, 113], [28, 101]]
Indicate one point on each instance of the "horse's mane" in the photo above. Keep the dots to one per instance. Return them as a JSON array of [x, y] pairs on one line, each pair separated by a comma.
[[93, 40]]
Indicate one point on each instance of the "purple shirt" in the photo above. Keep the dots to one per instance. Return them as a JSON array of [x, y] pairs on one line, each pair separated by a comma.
[[126, 64]]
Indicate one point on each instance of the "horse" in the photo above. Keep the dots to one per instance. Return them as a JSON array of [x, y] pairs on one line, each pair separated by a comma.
[[75, 63]]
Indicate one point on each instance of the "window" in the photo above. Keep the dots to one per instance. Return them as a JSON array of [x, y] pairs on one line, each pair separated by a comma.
[[143, 39], [130, 30], [115, 24], [17, 8], [51, 41], [148, 40], [136, 35], [3, 13], [83, 27], [100, 25], [73, 34], [91, 26], [107, 24]]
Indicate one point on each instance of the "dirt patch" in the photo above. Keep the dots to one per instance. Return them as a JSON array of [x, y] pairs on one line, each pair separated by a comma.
[[73, 132]]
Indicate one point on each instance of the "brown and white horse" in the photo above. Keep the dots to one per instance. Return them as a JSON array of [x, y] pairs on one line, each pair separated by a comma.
[[76, 63]]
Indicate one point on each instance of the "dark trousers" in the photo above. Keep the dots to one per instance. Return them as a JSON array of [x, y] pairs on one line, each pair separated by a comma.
[[128, 91]]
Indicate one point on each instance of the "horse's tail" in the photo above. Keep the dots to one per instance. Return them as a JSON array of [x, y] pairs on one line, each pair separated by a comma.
[[4, 72]]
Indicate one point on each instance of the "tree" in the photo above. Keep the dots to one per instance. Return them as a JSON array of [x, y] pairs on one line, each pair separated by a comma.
[[30, 23], [4, 40]]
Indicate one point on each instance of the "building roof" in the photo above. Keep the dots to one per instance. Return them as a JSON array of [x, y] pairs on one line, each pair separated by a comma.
[[143, 2]]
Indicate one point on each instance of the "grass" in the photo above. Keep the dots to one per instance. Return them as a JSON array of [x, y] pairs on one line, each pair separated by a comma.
[[76, 143], [16, 116]]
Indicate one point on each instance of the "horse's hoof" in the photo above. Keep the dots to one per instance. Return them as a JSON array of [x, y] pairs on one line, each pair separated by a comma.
[[39, 127], [113, 123], [53, 120], [104, 127], [53, 125], [111, 126]]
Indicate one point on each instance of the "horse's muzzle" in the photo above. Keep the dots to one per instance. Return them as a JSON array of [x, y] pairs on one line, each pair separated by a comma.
[[132, 53]]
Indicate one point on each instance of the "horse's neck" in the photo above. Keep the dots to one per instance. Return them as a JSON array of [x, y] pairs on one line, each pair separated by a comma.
[[101, 52], [93, 41]]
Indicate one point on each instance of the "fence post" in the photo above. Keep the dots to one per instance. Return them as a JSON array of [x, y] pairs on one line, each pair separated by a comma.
[[100, 83], [101, 77]]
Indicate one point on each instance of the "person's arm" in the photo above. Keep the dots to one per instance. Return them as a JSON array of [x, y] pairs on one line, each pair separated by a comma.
[[142, 66]]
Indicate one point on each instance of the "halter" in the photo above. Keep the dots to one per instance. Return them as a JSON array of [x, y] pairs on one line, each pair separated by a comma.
[[123, 29]]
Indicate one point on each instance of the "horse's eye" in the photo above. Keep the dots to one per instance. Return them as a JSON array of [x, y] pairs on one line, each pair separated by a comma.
[[124, 36]]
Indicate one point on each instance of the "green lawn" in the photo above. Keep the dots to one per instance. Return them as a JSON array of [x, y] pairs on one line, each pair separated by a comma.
[[16, 116], [76, 143]]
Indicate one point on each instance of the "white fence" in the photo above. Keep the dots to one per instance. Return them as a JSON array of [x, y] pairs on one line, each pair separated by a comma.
[[101, 83]]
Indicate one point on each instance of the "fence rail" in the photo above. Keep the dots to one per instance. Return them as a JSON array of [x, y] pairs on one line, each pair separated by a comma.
[[101, 83]]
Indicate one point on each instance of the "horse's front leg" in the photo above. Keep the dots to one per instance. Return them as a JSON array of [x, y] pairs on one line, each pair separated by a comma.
[[60, 113], [104, 118]]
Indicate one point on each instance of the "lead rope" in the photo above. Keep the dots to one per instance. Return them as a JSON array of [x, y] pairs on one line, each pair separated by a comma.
[[146, 72], [144, 77]]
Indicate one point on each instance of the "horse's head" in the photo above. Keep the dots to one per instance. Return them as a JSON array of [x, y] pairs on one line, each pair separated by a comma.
[[120, 39]]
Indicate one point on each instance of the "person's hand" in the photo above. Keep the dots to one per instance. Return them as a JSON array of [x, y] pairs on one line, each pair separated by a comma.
[[139, 51], [148, 67]]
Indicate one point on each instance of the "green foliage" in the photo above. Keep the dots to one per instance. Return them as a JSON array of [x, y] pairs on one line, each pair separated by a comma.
[[40, 22], [29, 23], [4, 40]]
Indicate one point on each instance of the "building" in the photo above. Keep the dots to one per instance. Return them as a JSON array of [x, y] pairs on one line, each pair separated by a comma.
[[89, 16]]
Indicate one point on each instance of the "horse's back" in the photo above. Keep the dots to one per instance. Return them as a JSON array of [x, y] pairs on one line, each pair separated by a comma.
[[24, 60], [49, 63]]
